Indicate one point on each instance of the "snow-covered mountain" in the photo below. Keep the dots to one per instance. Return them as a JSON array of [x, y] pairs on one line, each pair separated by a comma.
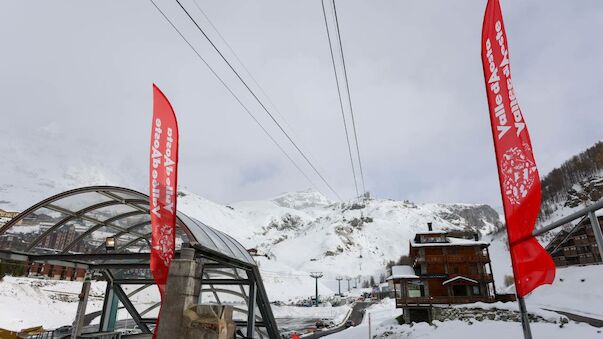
[[307, 232], [299, 232]]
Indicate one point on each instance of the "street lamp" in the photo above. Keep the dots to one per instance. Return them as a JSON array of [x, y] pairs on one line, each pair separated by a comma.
[[110, 244]]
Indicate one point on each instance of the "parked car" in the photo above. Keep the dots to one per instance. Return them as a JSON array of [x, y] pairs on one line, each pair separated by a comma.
[[349, 323]]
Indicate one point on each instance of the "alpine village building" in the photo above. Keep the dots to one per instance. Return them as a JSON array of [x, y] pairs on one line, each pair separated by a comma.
[[577, 246], [446, 268]]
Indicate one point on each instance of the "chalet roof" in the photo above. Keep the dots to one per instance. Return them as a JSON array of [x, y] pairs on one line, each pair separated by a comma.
[[402, 272], [459, 278], [451, 242]]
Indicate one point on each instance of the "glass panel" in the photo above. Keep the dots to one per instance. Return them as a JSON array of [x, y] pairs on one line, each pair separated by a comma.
[[207, 296], [181, 238], [132, 220], [217, 273], [126, 195], [238, 250], [108, 212], [145, 299], [222, 246], [136, 232], [198, 232], [139, 246], [143, 206], [132, 273], [77, 202], [95, 239], [58, 239], [30, 227], [242, 274]]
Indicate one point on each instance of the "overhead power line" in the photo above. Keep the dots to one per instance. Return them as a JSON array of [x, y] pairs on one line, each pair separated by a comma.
[[278, 112], [345, 125], [235, 96], [347, 86], [260, 102]]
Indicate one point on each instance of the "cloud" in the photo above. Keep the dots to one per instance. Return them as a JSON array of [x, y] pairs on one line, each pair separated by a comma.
[[76, 90]]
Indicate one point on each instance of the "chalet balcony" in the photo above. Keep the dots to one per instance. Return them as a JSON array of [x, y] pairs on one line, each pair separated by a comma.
[[415, 301], [437, 259], [488, 278]]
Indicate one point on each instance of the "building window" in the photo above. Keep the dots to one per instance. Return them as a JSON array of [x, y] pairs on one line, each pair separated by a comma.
[[415, 289], [398, 288], [433, 239], [475, 290]]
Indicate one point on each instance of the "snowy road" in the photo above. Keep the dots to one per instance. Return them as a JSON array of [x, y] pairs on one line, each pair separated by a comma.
[[580, 318], [356, 317]]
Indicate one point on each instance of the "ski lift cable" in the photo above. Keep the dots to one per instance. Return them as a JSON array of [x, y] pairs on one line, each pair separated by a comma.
[[236, 97], [260, 102], [253, 79], [232, 51], [347, 85], [345, 125]]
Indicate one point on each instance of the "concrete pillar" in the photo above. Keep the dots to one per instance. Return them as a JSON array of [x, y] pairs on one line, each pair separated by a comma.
[[181, 292], [78, 324]]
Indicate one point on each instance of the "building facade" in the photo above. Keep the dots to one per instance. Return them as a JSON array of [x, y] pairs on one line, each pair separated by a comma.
[[446, 268], [576, 246]]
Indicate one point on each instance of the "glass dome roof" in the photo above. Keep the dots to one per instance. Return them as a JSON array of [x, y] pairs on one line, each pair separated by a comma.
[[79, 221]]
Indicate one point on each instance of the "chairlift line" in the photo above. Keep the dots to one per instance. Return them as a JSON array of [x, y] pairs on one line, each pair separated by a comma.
[[236, 97], [196, 2], [260, 102], [345, 125], [347, 85]]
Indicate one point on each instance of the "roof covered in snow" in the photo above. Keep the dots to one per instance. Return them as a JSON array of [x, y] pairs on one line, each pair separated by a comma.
[[403, 272]]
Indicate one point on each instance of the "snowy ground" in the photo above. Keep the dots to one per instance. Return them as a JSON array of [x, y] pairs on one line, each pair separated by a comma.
[[384, 325], [576, 290], [26, 302]]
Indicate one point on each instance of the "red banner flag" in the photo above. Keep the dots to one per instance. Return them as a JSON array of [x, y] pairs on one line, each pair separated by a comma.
[[162, 187], [517, 172]]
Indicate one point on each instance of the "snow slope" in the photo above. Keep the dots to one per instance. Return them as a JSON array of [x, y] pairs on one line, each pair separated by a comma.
[[302, 232]]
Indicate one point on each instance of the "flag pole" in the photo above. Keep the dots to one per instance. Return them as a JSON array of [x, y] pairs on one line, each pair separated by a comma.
[[523, 310], [525, 321]]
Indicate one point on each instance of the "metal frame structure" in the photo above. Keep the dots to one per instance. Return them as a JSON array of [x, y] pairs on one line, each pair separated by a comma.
[[70, 228]]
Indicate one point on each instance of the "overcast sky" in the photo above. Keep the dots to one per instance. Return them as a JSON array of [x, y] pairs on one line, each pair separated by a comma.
[[76, 95]]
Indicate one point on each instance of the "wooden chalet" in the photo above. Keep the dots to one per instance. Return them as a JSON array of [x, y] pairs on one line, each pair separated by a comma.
[[577, 246], [446, 268]]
